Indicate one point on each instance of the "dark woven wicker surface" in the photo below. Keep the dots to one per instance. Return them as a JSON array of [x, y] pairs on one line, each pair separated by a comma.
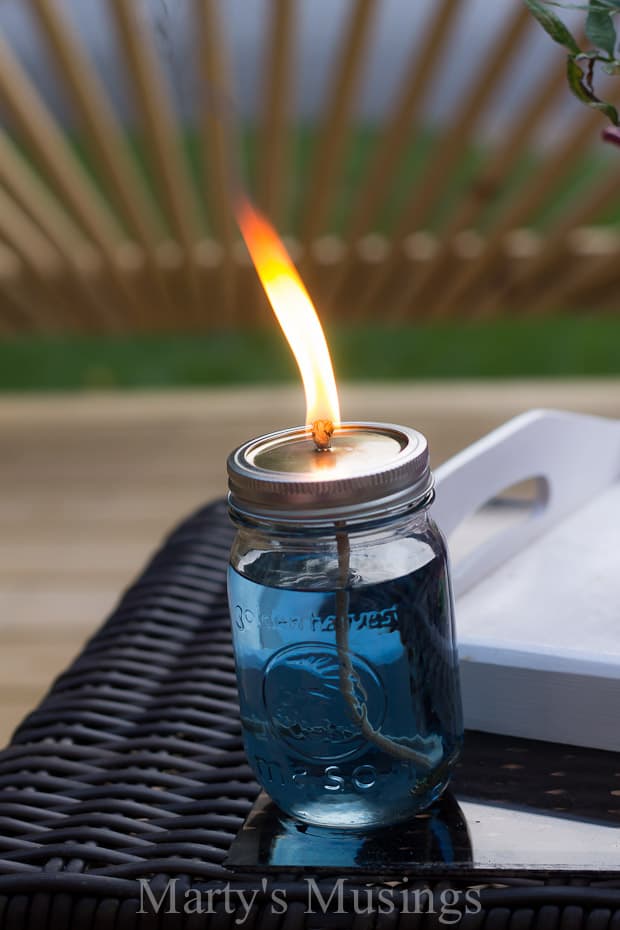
[[133, 767]]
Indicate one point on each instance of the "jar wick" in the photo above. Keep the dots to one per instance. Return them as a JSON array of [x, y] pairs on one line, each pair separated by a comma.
[[322, 432], [411, 749]]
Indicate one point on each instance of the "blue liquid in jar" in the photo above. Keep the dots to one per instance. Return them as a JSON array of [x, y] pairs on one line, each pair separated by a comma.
[[367, 746]]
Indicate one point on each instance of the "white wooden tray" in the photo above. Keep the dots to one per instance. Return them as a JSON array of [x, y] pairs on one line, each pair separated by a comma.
[[538, 605]]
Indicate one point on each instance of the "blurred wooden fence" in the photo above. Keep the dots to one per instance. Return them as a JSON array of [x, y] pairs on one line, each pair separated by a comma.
[[99, 248]]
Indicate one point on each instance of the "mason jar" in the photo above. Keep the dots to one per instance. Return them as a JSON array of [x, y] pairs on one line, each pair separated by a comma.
[[342, 621]]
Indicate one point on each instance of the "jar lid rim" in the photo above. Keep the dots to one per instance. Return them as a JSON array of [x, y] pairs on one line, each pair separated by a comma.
[[372, 466]]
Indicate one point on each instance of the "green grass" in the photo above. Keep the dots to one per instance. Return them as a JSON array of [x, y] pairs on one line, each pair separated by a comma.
[[570, 347]]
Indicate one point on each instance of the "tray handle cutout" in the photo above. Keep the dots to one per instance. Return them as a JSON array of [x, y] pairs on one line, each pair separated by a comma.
[[571, 456]]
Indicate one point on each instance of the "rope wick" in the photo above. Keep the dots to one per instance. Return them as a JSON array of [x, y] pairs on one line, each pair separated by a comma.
[[423, 752], [322, 432]]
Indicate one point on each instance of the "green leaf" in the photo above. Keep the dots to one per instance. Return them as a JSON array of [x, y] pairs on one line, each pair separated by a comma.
[[553, 25], [576, 80], [605, 5], [601, 31]]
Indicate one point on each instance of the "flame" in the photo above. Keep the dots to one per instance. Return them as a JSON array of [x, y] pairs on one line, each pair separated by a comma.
[[295, 313]]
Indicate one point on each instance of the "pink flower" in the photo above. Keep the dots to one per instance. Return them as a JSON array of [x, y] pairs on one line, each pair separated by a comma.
[[612, 134]]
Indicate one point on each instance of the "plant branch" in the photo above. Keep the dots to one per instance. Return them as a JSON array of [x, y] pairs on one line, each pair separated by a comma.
[[601, 32]]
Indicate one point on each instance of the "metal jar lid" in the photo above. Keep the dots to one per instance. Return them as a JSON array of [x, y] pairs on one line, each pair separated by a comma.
[[370, 470]]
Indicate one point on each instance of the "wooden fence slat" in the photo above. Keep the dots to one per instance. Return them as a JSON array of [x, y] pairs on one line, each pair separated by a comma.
[[220, 147], [577, 278], [34, 121], [162, 134], [12, 320], [20, 301], [76, 256], [45, 137], [330, 145], [482, 189], [504, 158], [39, 257], [155, 111], [273, 166], [104, 136], [16, 311], [48, 144], [400, 126], [105, 139], [582, 212], [10, 316], [450, 147], [601, 290], [49, 147], [50, 291], [527, 201], [67, 239], [35, 197], [11, 267]]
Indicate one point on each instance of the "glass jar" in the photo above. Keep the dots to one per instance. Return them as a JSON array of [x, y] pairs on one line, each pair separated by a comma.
[[344, 640]]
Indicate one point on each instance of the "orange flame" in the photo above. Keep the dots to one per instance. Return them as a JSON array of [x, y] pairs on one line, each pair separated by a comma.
[[295, 313]]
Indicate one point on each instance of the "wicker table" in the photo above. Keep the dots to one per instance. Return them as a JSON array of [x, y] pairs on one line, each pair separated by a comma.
[[133, 768]]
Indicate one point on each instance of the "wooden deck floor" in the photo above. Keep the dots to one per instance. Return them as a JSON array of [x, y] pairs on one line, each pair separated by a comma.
[[89, 483]]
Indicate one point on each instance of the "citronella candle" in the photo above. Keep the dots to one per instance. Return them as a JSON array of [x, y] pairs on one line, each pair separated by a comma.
[[339, 595], [342, 620]]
